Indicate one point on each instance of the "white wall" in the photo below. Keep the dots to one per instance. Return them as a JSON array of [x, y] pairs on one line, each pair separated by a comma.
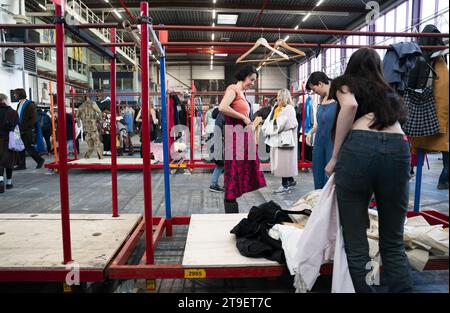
[[187, 73], [273, 77]]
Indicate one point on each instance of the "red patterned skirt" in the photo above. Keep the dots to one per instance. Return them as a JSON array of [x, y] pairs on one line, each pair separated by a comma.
[[242, 169]]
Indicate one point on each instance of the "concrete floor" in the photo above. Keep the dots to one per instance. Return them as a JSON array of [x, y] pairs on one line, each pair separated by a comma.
[[37, 191]]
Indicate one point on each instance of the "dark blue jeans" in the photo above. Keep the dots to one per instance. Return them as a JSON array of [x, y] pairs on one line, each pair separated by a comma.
[[379, 163], [321, 155]]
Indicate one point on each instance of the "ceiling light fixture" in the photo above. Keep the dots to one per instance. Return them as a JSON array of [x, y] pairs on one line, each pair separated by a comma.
[[296, 27], [227, 19], [286, 38], [212, 36], [306, 17], [319, 3], [42, 7], [214, 13]]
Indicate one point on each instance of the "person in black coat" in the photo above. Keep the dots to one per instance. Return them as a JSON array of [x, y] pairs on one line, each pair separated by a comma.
[[8, 158]]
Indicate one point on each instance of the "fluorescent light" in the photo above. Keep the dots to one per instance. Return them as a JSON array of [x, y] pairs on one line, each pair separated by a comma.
[[319, 3], [296, 27], [306, 17], [221, 54], [107, 1], [157, 61], [259, 67], [212, 57], [213, 24], [43, 7], [117, 13], [212, 36], [286, 38], [228, 19], [214, 1], [214, 13]]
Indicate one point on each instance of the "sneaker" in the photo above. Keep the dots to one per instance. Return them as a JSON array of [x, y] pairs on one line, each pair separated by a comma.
[[282, 189], [216, 188], [40, 163], [9, 186], [442, 186], [293, 183]]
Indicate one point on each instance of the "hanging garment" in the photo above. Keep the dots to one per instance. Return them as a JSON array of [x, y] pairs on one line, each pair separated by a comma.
[[438, 142], [422, 118], [322, 241], [309, 122], [128, 118], [398, 62]]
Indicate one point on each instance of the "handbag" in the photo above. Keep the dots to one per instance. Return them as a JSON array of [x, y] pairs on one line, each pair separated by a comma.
[[286, 139], [15, 142], [422, 118]]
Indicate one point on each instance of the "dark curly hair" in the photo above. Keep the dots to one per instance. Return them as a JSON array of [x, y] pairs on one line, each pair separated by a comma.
[[245, 71]]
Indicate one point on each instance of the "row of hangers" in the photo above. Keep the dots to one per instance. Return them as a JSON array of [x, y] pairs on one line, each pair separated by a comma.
[[276, 55]]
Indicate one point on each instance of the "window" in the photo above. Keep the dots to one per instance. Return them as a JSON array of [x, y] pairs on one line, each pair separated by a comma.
[[428, 11], [379, 27]]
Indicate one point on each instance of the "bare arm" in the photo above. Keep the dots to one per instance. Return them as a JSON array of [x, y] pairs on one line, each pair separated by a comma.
[[344, 123], [227, 110], [153, 114], [138, 117]]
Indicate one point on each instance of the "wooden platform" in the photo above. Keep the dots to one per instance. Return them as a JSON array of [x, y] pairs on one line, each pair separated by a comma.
[[34, 240], [210, 244]]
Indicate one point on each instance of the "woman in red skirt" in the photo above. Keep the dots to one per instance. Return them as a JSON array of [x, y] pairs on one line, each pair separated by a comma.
[[242, 170]]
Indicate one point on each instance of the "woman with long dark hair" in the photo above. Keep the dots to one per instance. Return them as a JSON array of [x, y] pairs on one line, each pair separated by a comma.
[[242, 170], [371, 155]]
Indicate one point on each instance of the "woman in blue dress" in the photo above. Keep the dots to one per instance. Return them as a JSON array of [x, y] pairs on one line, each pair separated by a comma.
[[319, 83]]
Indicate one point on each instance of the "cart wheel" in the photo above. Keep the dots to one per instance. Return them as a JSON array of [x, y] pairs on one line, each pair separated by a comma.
[[173, 172]]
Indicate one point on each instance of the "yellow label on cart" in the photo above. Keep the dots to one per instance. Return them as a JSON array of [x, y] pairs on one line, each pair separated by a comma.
[[194, 273], [67, 288], [150, 284]]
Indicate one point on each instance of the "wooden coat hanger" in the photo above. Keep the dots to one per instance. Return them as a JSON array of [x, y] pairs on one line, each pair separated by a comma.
[[282, 43], [260, 42]]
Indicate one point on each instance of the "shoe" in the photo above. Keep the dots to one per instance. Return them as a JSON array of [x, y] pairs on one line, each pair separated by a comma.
[[20, 168], [9, 186], [40, 163], [231, 207], [292, 183], [282, 189], [2, 187], [216, 188], [442, 186]]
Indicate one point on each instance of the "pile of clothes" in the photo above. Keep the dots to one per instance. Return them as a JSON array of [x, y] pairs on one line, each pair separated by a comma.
[[254, 237], [422, 240]]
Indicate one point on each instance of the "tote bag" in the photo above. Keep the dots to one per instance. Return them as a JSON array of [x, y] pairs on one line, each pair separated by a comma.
[[15, 142]]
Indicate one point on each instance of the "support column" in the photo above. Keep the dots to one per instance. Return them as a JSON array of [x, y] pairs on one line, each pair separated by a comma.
[[62, 137], [113, 109]]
